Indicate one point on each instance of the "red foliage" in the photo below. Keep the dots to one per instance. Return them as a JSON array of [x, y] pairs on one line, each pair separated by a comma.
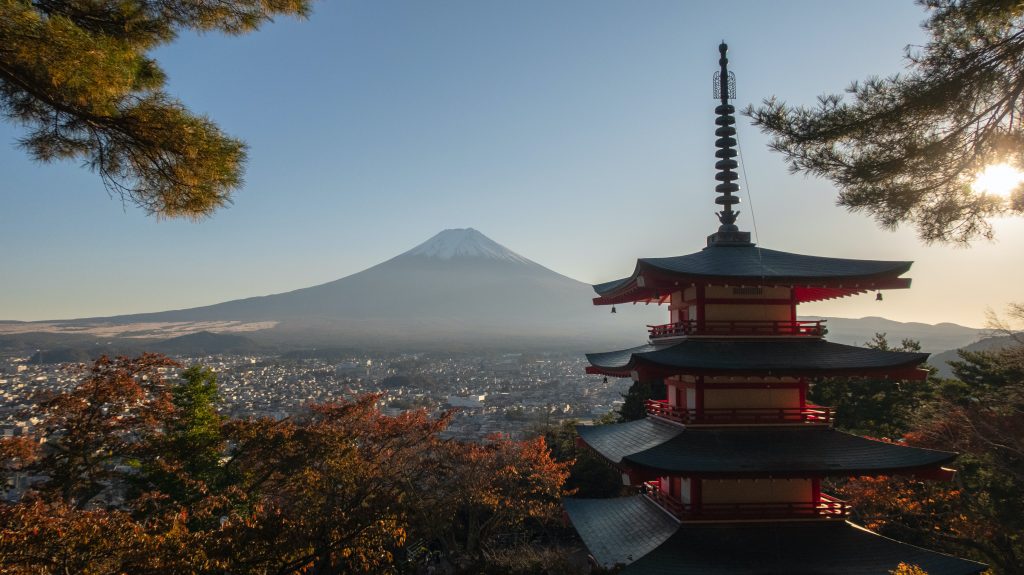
[[337, 489]]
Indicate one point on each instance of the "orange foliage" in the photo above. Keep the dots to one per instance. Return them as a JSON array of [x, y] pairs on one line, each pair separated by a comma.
[[337, 489], [102, 421], [905, 569], [498, 486]]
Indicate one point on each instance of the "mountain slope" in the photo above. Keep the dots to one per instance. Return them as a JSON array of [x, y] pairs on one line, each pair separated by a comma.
[[458, 285], [941, 361], [455, 274]]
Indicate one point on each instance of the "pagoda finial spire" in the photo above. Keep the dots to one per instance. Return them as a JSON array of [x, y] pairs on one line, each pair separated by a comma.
[[725, 90]]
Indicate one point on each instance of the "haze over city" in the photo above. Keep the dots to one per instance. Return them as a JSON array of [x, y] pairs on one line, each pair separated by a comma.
[[557, 130]]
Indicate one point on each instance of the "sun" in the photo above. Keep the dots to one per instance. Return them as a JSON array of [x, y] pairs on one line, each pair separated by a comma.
[[998, 180]]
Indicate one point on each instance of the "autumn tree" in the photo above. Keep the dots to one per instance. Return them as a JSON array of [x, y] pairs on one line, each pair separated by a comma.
[[977, 415], [331, 491], [496, 487], [980, 514], [101, 423], [67, 522], [140, 474], [78, 76], [907, 148], [908, 569]]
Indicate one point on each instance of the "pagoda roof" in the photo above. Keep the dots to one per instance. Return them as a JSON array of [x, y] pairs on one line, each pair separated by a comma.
[[773, 357], [835, 548], [653, 447], [815, 277], [622, 529]]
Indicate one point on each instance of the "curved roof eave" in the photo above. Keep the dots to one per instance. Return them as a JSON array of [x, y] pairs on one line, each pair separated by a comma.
[[635, 532], [652, 447], [757, 266], [619, 530], [810, 357], [617, 441]]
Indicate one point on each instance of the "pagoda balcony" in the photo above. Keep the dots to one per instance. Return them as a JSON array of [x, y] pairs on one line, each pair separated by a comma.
[[827, 507], [809, 414], [749, 328]]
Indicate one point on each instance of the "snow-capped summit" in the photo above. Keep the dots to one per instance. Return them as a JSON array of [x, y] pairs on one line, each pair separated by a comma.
[[464, 243]]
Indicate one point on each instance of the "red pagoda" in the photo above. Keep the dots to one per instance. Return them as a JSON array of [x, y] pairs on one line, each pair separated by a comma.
[[729, 466]]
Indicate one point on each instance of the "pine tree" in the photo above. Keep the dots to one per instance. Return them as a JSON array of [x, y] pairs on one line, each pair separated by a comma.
[[634, 405], [880, 407], [76, 75], [907, 148], [196, 429], [186, 458]]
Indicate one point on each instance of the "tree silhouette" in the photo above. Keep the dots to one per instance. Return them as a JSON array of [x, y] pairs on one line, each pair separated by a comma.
[[78, 76], [907, 148]]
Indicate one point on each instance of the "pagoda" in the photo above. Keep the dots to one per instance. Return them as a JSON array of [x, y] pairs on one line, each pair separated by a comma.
[[729, 465]]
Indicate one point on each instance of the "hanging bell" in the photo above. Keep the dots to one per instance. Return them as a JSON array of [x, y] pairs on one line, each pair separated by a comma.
[[878, 296], [613, 309]]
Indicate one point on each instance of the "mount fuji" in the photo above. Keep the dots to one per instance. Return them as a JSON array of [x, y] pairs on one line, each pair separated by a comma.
[[458, 288]]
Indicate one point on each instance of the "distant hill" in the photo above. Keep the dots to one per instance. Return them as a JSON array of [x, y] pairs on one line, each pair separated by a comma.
[[940, 361], [51, 348], [31, 341], [933, 338], [83, 354], [206, 343]]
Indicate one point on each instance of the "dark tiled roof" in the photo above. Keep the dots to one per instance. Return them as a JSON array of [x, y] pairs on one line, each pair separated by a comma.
[[619, 359], [618, 440], [749, 451], [753, 261], [608, 287], [795, 549], [633, 531], [775, 357], [755, 264], [619, 530]]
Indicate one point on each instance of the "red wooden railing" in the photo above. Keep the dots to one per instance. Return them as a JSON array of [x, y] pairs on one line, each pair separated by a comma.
[[815, 414], [652, 489], [826, 508], [806, 328]]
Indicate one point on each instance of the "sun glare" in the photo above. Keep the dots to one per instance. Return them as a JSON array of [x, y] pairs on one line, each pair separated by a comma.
[[997, 179]]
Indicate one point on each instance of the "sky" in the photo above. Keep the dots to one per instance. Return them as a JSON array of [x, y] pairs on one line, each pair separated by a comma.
[[579, 134]]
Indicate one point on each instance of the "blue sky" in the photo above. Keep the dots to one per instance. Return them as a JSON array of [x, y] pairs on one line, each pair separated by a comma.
[[577, 133]]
